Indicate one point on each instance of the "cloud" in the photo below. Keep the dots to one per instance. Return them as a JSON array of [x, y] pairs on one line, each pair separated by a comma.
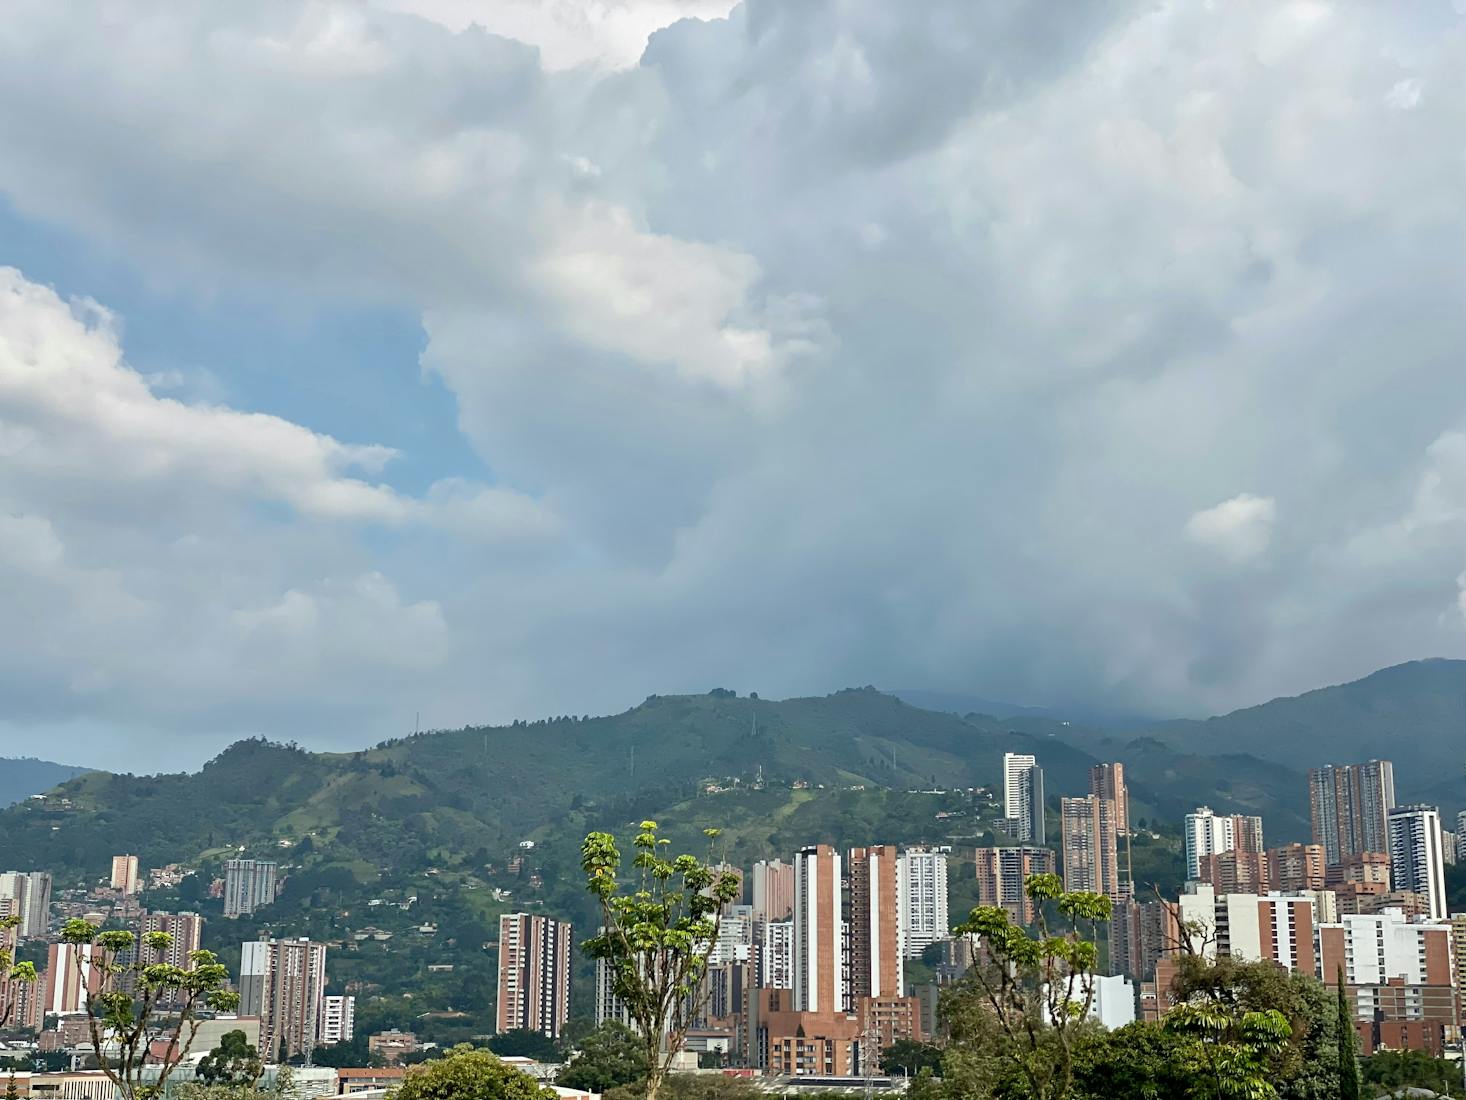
[[1239, 529], [823, 344]]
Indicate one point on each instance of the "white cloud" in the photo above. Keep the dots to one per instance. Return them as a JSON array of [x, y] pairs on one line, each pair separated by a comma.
[[1239, 529], [829, 343]]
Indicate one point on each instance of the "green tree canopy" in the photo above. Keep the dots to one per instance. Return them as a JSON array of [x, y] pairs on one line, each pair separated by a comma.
[[233, 1062], [468, 1073], [610, 1056], [523, 1042]]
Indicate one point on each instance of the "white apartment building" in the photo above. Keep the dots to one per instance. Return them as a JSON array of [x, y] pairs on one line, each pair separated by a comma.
[[922, 886], [1417, 862], [338, 1020]]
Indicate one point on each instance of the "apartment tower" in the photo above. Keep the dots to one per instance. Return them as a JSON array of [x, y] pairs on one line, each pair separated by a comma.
[[249, 884], [1417, 860], [1350, 805], [534, 974], [1001, 874], [876, 948], [1209, 834], [817, 950], [1090, 845], [1023, 796], [771, 890], [923, 887], [283, 982], [124, 874]]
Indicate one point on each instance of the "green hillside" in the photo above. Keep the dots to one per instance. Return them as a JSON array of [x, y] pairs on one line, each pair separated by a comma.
[[396, 806], [23, 777], [1412, 714]]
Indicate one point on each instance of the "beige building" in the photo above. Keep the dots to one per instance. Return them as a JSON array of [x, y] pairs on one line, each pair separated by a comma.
[[534, 974], [124, 874]]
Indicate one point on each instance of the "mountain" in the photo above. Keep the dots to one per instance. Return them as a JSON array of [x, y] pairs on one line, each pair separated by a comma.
[[20, 778], [1412, 714], [958, 703], [406, 802]]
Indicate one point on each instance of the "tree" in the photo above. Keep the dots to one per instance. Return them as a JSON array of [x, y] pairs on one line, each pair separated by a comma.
[[657, 940], [1225, 1053], [1139, 1061], [1034, 990], [908, 1057], [467, 1073], [12, 974], [1348, 1055], [1307, 1065], [164, 1004], [233, 1062], [612, 1055], [696, 1086], [525, 1042]]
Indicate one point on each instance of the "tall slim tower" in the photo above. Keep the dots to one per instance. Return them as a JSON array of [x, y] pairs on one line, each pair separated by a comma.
[[1350, 805], [30, 892], [1417, 858], [1023, 796], [877, 954], [817, 950], [534, 974], [1108, 781], [283, 982]]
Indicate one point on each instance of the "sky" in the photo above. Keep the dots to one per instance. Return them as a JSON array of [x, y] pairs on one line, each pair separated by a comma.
[[368, 365]]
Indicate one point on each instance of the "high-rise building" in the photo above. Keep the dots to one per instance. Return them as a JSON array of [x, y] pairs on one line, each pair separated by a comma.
[[534, 974], [608, 1005], [1234, 872], [283, 982], [187, 931], [1416, 860], [923, 886], [771, 890], [877, 958], [338, 1020], [1141, 934], [1090, 845], [1269, 927], [1108, 781], [249, 884], [776, 955], [1399, 977], [31, 893], [1002, 873], [1293, 867], [74, 973], [818, 949], [124, 874], [1208, 834], [1461, 837], [1350, 805], [1023, 797], [1014, 765]]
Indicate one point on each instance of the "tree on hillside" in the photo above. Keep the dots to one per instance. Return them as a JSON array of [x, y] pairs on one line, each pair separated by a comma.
[[1018, 1014], [657, 939], [13, 975], [163, 1006], [467, 1073]]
